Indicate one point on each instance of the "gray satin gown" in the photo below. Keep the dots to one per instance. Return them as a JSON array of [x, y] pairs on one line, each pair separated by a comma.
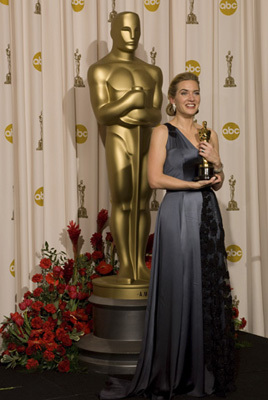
[[188, 344]]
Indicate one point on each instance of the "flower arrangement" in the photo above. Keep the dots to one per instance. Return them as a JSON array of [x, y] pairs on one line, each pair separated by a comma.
[[239, 323], [54, 316], [57, 312]]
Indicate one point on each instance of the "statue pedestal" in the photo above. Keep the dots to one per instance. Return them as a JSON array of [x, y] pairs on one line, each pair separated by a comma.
[[115, 343]]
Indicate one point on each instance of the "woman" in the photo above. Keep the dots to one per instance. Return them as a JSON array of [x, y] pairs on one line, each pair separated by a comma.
[[188, 344]]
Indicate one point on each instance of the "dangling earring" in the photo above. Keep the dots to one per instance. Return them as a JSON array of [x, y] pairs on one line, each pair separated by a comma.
[[174, 107]]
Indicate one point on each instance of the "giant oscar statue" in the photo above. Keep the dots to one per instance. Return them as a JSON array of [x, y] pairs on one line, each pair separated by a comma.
[[126, 97]]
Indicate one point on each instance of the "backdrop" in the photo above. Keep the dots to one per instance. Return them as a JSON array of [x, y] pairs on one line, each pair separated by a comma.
[[51, 154]]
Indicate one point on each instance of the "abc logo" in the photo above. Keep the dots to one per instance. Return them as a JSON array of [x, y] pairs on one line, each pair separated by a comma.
[[9, 133], [193, 66], [37, 61], [234, 253], [81, 133], [151, 5], [231, 131], [5, 2], [12, 268], [228, 7], [39, 197], [78, 5]]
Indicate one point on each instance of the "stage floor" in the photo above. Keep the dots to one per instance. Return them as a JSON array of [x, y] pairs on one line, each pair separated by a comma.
[[252, 379]]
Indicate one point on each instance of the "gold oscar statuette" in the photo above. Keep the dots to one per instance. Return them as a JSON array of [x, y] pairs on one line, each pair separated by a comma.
[[126, 98], [204, 170]]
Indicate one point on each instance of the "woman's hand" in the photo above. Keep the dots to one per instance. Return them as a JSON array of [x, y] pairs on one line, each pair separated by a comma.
[[209, 152], [209, 182]]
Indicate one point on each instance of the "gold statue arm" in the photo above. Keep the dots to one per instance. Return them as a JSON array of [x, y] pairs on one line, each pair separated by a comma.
[[132, 107], [150, 115], [106, 111]]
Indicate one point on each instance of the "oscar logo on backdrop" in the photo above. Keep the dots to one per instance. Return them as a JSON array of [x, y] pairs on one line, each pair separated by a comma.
[[126, 97], [113, 13], [40, 141], [229, 81], [78, 81], [232, 205], [191, 17], [82, 212], [8, 75], [37, 9]]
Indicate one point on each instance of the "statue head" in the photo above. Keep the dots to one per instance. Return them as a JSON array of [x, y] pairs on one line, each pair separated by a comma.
[[125, 31]]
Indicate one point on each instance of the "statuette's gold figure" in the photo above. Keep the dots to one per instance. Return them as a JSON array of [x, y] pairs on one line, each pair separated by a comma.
[[126, 97], [205, 169]]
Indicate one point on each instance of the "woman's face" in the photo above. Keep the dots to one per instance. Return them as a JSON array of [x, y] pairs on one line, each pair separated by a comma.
[[187, 98]]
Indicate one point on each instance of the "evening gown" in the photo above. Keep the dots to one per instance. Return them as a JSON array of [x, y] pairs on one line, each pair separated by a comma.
[[188, 343]]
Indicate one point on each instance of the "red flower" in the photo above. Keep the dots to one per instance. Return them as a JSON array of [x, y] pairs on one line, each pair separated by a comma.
[[32, 364], [74, 232], [22, 306], [50, 308], [57, 271], [37, 323], [28, 302], [97, 255], [148, 262], [37, 305], [48, 355], [82, 271], [102, 219], [93, 276], [61, 350], [17, 318], [28, 294], [66, 341], [88, 255], [235, 312], [45, 263], [64, 365], [61, 288], [96, 241], [21, 349], [11, 346], [37, 292], [244, 323], [37, 278], [48, 336], [60, 332], [68, 270], [103, 268], [50, 280], [109, 237]]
